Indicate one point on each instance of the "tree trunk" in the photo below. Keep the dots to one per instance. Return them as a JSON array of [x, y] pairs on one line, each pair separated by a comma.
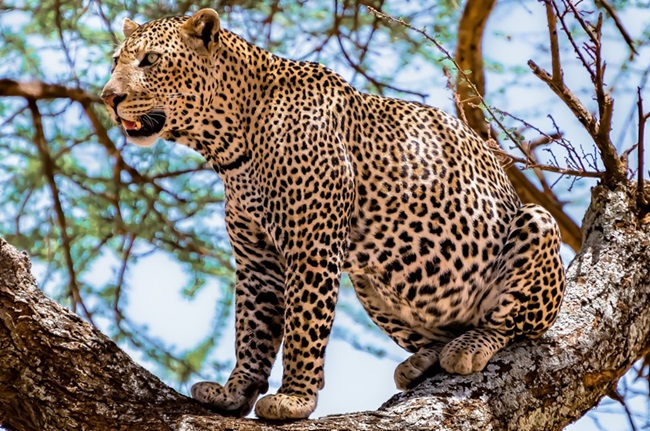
[[57, 372]]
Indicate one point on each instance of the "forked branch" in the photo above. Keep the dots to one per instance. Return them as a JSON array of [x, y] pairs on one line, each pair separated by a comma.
[[470, 103], [598, 128]]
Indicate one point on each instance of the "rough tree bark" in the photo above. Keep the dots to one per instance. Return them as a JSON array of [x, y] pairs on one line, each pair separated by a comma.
[[57, 372]]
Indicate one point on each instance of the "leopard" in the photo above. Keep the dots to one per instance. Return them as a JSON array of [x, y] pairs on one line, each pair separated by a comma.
[[322, 179]]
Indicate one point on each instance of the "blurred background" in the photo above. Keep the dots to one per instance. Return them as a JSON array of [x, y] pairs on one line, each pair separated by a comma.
[[133, 239]]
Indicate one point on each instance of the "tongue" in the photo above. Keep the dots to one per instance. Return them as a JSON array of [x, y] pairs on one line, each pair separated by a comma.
[[129, 125]]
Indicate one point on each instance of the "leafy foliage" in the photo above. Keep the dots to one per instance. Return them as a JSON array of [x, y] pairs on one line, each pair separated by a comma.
[[121, 204]]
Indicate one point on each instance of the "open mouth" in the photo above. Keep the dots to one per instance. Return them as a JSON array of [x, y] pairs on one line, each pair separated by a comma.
[[146, 125]]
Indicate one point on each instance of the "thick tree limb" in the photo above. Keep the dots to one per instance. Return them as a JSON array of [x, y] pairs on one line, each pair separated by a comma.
[[40, 90], [59, 373], [469, 56]]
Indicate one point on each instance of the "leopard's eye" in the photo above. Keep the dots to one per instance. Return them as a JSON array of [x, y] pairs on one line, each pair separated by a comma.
[[114, 63], [149, 59]]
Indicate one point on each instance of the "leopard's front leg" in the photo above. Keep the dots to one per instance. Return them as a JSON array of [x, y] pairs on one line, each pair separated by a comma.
[[259, 308], [313, 235], [311, 291]]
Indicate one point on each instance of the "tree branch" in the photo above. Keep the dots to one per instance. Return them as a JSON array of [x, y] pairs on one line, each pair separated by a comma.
[[470, 57], [619, 25], [641, 197], [49, 170], [598, 129], [40, 90], [58, 372], [554, 42]]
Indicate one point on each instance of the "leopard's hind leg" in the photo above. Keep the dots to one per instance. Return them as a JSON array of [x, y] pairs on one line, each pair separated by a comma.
[[525, 294]]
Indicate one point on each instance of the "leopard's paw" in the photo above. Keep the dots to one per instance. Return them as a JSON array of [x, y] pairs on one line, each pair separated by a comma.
[[283, 406], [467, 354], [413, 370], [229, 403]]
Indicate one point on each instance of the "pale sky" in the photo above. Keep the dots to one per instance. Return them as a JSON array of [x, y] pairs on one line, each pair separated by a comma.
[[356, 380]]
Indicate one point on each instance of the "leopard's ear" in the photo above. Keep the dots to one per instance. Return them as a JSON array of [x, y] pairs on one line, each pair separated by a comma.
[[128, 27], [202, 30]]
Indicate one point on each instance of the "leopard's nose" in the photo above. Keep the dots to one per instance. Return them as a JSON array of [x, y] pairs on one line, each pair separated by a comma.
[[113, 99]]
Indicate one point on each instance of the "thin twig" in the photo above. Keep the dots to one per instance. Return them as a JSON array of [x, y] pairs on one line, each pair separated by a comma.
[[21, 210], [569, 35], [613, 394], [572, 159], [619, 24], [64, 46], [551, 168], [643, 117], [461, 72], [615, 170], [49, 171], [629, 119], [374, 81], [555, 45], [130, 240], [106, 22], [458, 102]]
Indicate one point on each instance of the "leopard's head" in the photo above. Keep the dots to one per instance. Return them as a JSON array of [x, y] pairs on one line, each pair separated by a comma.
[[161, 75]]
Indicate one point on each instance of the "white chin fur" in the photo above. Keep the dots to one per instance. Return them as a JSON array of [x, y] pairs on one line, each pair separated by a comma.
[[143, 141]]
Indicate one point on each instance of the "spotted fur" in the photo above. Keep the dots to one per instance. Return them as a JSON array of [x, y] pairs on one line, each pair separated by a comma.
[[322, 179]]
